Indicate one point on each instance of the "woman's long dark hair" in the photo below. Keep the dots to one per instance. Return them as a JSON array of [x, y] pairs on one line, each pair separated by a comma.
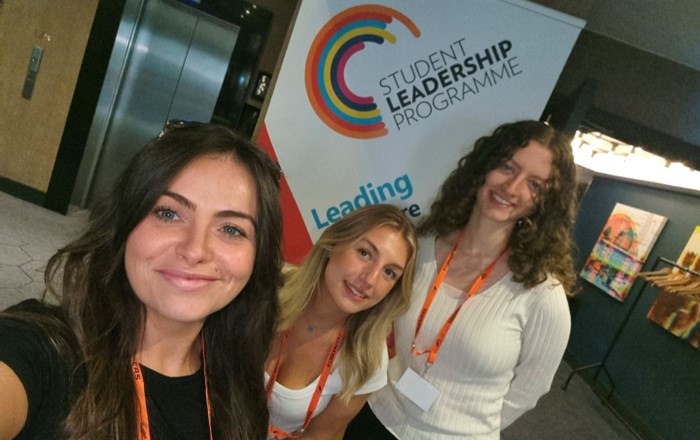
[[540, 243], [106, 317]]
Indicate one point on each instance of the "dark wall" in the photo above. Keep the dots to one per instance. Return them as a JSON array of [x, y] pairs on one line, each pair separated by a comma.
[[637, 85], [636, 89], [656, 375]]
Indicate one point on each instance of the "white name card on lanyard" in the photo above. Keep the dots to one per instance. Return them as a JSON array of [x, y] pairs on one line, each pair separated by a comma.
[[417, 389]]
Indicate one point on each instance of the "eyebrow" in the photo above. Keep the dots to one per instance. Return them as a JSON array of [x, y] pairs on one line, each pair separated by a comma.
[[376, 250], [221, 214]]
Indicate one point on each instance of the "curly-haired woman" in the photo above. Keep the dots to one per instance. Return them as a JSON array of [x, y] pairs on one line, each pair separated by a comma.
[[489, 319]]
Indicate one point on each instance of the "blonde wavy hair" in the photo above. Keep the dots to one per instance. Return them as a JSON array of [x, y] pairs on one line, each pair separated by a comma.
[[365, 331]]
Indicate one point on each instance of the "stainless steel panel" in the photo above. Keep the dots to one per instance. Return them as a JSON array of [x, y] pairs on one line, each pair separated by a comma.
[[106, 102], [204, 70], [169, 64]]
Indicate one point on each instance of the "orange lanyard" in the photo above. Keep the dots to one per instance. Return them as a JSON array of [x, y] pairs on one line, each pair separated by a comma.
[[476, 285], [143, 428], [325, 373]]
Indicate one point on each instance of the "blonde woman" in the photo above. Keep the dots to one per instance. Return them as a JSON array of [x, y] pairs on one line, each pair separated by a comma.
[[337, 309]]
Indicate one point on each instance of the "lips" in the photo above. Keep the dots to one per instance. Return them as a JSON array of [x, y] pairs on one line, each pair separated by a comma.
[[500, 200], [355, 294], [186, 281]]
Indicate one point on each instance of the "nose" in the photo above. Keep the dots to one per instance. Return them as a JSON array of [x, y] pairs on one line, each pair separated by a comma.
[[194, 244], [371, 273], [512, 185]]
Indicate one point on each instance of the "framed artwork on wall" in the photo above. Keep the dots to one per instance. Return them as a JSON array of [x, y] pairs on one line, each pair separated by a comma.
[[621, 249]]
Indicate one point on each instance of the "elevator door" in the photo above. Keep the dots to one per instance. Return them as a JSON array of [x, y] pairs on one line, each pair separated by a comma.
[[169, 62]]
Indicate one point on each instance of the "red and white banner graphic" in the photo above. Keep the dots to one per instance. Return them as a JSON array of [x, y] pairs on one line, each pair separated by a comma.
[[375, 102]]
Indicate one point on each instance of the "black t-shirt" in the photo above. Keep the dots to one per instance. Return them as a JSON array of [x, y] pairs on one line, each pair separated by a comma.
[[176, 405], [25, 348]]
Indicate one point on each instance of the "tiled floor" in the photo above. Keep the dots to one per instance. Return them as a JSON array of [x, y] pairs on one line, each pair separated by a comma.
[[29, 235], [572, 414]]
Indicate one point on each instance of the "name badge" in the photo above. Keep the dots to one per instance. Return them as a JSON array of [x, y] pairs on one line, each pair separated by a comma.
[[417, 389]]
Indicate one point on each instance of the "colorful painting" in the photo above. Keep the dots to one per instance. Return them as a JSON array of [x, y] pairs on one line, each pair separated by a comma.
[[621, 249], [677, 308], [690, 255]]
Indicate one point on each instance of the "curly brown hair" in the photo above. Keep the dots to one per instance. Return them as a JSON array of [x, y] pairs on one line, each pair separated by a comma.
[[540, 243]]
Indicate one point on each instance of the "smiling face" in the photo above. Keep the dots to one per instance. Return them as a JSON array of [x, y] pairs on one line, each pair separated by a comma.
[[511, 189], [361, 274], [194, 252]]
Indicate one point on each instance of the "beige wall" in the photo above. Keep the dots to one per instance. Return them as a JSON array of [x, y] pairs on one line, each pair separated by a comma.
[[30, 131]]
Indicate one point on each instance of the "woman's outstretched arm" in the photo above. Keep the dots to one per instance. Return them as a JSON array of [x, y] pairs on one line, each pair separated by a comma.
[[13, 403]]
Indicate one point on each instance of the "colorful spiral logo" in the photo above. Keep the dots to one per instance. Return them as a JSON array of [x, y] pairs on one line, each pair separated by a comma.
[[343, 36]]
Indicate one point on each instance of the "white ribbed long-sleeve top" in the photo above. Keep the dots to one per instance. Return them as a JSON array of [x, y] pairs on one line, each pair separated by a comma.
[[497, 360]]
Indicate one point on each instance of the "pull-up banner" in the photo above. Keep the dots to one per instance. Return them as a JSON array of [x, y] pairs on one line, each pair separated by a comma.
[[375, 102]]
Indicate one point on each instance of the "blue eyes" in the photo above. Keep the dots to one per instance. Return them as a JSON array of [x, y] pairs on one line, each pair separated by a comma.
[[166, 214], [233, 231]]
